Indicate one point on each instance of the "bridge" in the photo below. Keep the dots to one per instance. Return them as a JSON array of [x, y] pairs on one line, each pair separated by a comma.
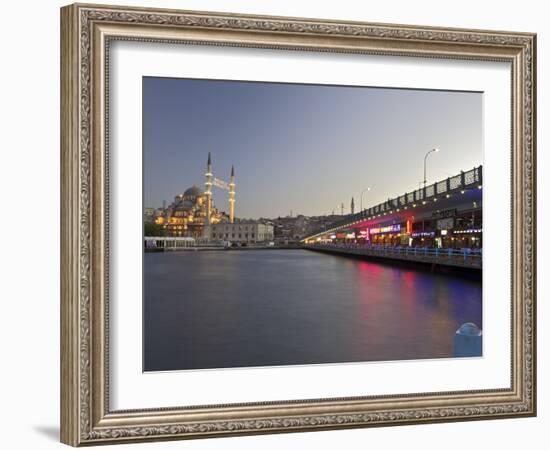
[[439, 224], [462, 188]]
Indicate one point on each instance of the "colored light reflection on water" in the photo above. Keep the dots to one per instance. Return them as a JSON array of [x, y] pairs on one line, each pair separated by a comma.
[[219, 309]]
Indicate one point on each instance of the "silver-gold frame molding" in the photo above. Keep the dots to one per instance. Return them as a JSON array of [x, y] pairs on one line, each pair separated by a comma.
[[86, 33]]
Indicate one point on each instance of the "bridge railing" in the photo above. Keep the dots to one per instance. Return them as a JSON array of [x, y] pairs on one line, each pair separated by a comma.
[[473, 256], [460, 181]]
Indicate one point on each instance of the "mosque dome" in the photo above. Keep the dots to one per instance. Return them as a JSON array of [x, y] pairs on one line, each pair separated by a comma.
[[193, 191]]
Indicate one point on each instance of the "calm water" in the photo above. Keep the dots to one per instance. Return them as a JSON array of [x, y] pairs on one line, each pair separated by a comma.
[[275, 307]]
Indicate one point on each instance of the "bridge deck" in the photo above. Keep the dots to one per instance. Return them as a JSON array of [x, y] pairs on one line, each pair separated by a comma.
[[464, 187], [445, 257]]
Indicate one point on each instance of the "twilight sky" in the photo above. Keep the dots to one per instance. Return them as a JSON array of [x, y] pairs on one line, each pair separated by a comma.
[[305, 148]]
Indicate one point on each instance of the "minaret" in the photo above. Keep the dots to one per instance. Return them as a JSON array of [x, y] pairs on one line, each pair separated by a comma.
[[208, 188], [352, 206], [232, 196]]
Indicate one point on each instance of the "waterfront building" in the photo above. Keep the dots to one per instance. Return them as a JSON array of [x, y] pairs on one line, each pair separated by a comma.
[[315, 223], [240, 232], [290, 228], [149, 215]]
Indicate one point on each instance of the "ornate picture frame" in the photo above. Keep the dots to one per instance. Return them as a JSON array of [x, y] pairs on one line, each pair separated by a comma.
[[86, 34]]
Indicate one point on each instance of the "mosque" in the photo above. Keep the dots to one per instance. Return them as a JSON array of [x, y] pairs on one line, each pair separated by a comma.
[[191, 213]]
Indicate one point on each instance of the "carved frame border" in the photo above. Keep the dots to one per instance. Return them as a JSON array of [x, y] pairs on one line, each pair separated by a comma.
[[86, 31]]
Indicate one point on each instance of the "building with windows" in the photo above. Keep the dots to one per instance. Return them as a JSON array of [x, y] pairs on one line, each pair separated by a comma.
[[248, 232], [149, 215]]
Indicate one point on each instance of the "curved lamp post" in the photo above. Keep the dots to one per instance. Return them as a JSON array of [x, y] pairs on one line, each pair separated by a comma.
[[362, 192], [433, 150]]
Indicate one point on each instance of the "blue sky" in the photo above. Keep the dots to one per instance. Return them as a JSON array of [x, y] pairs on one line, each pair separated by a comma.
[[305, 148]]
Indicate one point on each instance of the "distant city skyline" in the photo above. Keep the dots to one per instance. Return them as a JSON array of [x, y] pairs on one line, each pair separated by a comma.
[[303, 148]]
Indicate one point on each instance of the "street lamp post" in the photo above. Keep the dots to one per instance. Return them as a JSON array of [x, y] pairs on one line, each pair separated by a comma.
[[433, 150], [362, 192]]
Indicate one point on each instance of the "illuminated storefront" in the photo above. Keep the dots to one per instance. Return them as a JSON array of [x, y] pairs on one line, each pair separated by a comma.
[[423, 239], [386, 235], [471, 238]]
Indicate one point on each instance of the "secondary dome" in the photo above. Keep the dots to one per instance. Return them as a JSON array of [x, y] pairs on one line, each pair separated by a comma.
[[193, 191]]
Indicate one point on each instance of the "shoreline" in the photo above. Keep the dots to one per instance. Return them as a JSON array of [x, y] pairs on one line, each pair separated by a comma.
[[221, 249]]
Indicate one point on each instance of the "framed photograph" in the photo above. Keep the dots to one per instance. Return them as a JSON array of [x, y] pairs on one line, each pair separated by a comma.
[[274, 224]]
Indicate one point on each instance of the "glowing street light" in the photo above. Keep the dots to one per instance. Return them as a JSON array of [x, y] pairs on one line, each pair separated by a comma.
[[362, 192], [433, 150]]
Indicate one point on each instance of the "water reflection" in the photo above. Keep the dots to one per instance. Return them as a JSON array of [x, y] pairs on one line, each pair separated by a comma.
[[279, 307]]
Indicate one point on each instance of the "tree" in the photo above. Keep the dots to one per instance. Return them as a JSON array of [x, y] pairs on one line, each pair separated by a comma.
[[154, 229]]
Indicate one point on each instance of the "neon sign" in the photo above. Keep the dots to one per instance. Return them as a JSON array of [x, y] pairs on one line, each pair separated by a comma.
[[388, 229], [423, 233]]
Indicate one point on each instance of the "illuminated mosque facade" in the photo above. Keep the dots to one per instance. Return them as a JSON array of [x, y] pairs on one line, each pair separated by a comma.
[[192, 213]]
